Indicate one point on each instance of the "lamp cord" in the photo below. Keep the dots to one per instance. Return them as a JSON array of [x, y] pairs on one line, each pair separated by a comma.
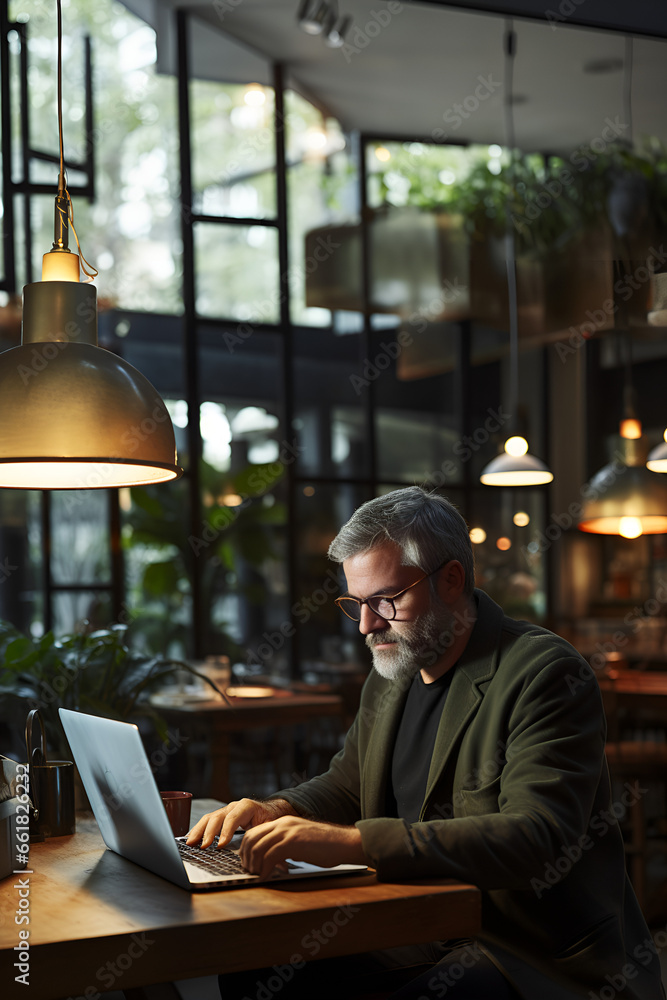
[[627, 87], [64, 207], [61, 176], [510, 242]]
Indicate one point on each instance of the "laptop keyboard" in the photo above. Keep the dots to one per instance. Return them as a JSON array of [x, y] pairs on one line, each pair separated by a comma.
[[216, 861]]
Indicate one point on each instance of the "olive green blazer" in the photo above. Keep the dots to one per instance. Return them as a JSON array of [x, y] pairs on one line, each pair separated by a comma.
[[518, 802]]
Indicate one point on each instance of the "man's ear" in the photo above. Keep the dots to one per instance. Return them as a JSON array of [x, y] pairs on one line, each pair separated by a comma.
[[451, 581]]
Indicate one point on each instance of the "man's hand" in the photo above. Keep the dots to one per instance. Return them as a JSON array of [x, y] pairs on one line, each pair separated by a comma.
[[246, 813], [268, 844]]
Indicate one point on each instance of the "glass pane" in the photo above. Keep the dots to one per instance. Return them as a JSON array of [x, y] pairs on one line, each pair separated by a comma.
[[80, 544], [241, 550], [417, 415], [329, 411], [236, 271], [328, 641], [322, 195], [17, 569], [414, 173], [158, 565], [233, 150], [71, 609], [132, 231]]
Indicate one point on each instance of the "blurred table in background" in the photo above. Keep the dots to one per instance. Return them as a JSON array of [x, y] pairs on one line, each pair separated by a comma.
[[635, 704], [214, 722]]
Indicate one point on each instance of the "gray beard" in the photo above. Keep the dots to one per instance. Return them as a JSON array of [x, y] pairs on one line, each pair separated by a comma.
[[421, 645]]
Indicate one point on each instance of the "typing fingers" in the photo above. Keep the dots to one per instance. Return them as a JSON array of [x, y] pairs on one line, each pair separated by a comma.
[[207, 827], [265, 848]]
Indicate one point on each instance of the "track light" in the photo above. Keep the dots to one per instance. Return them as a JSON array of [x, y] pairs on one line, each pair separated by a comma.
[[336, 31], [313, 16]]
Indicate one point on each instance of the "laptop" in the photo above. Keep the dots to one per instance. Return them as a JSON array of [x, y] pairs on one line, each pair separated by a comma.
[[124, 797]]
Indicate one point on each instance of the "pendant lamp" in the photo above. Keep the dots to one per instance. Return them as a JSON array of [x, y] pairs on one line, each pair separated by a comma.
[[73, 415], [657, 457], [516, 466], [626, 498]]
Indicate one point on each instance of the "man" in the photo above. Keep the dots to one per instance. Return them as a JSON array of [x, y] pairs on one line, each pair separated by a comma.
[[477, 754]]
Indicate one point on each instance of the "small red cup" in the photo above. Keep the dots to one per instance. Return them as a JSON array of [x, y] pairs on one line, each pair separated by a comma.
[[177, 806]]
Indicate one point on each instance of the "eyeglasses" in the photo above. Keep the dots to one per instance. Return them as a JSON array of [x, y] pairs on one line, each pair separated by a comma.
[[383, 607]]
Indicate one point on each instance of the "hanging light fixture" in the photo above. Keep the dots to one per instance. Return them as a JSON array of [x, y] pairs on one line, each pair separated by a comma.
[[515, 466], [313, 16], [73, 415], [657, 458], [626, 498], [336, 28]]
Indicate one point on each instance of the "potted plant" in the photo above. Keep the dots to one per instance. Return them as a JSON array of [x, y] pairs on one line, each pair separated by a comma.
[[94, 672]]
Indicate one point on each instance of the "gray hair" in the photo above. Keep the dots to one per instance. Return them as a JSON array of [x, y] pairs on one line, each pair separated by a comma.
[[427, 528]]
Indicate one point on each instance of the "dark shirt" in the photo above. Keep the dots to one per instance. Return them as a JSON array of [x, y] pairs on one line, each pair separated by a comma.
[[413, 749]]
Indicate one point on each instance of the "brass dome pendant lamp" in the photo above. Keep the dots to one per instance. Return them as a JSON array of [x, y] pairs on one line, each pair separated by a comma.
[[627, 497], [73, 415], [515, 466]]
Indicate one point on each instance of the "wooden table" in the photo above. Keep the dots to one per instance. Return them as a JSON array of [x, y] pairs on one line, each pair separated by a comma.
[[215, 721], [635, 702], [631, 694], [99, 922]]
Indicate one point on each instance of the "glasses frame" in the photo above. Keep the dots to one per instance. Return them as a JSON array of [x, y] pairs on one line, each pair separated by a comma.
[[383, 597]]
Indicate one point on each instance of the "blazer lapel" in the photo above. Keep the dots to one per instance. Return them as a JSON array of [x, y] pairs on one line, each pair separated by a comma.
[[375, 776], [476, 665]]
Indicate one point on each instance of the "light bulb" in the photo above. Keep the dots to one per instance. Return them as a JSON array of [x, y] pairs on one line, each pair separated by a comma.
[[521, 519], [630, 527], [254, 95], [231, 500], [631, 428], [516, 446], [503, 543], [477, 536], [60, 265]]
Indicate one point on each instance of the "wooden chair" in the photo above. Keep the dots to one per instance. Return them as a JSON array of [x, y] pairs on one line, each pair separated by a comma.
[[643, 761]]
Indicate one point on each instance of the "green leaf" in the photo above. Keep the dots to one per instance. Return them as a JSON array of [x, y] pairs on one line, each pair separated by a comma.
[[18, 650], [161, 578], [146, 501]]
